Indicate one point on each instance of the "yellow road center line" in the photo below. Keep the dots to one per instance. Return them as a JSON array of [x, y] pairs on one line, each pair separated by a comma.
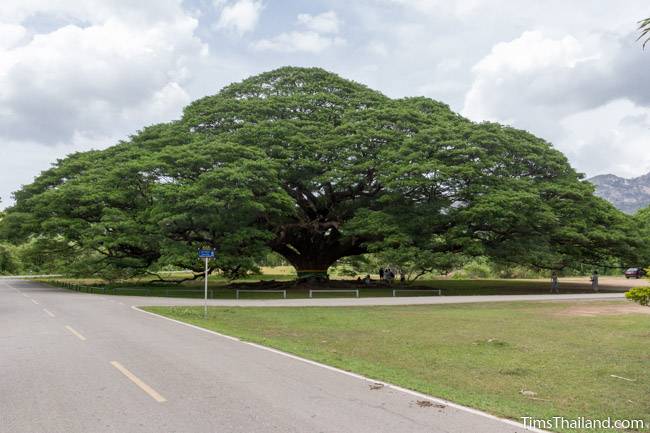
[[72, 330], [34, 301], [48, 312], [143, 386]]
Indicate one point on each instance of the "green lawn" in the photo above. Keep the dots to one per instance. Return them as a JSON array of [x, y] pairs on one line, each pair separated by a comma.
[[218, 289], [480, 355]]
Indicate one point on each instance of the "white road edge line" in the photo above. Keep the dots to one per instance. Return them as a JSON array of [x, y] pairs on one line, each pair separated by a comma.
[[34, 301], [73, 331], [143, 386], [357, 376], [48, 312]]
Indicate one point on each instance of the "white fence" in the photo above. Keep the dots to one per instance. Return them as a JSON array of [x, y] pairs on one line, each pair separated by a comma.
[[284, 292], [311, 292]]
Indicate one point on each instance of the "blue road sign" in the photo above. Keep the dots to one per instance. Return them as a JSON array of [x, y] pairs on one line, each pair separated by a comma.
[[205, 253]]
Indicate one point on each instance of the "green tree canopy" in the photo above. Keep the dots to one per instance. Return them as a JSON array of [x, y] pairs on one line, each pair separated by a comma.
[[316, 168]]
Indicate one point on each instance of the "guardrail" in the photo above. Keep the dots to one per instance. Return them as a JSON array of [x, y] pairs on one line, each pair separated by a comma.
[[331, 291], [77, 287], [416, 290], [284, 292]]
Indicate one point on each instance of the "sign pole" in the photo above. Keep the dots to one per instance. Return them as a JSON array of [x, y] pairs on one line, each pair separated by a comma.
[[206, 254], [205, 300]]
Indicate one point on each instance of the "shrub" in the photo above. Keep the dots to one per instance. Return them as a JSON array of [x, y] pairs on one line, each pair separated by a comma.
[[640, 295], [480, 267], [8, 262]]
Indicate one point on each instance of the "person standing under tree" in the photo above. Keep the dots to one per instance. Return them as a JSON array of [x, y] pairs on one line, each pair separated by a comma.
[[594, 281], [381, 273], [555, 285]]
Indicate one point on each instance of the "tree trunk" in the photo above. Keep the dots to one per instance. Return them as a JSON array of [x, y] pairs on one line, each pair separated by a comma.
[[312, 249], [311, 254], [311, 267]]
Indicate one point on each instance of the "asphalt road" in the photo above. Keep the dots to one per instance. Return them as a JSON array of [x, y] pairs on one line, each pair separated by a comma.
[[78, 363], [349, 302]]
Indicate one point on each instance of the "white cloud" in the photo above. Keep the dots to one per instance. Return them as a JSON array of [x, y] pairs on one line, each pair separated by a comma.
[[574, 92], [91, 11], [21, 169], [378, 48], [83, 80], [11, 35], [612, 138], [291, 42], [531, 51], [317, 33], [92, 76], [528, 69], [241, 16], [456, 7], [327, 22]]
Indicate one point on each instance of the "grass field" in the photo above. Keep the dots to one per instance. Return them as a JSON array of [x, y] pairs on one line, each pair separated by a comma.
[[480, 355], [218, 289]]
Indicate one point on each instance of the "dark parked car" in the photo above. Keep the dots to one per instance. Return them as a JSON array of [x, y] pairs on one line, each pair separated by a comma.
[[635, 273]]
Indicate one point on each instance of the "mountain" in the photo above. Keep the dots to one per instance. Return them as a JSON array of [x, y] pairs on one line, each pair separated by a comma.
[[628, 195]]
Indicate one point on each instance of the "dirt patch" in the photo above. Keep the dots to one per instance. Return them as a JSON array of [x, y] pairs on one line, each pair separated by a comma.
[[427, 403], [594, 309], [612, 282]]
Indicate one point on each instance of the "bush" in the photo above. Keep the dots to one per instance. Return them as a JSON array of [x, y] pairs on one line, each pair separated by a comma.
[[478, 268], [515, 271], [640, 295], [9, 264], [356, 266]]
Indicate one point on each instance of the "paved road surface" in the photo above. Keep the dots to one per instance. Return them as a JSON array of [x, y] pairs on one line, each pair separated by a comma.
[[78, 363], [343, 302]]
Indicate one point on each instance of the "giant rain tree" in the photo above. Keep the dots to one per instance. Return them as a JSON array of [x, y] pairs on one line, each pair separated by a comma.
[[317, 168]]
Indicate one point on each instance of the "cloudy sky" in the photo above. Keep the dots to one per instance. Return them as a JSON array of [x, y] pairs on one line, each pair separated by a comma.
[[82, 74]]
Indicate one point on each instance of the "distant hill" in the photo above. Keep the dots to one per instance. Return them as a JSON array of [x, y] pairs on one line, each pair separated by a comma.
[[628, 195]]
